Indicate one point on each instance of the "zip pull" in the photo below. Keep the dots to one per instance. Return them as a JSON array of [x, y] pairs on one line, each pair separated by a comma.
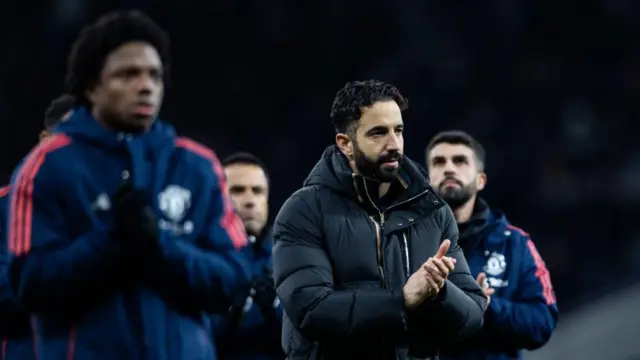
[[406, 255], [381, 220]]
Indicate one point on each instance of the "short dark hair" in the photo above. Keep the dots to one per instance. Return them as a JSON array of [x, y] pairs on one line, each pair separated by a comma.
[[242, 157], [99, 39], [57, 109], [459, 137], [349, 101]]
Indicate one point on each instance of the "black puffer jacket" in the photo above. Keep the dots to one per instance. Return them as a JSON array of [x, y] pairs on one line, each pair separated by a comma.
[[340, 265]]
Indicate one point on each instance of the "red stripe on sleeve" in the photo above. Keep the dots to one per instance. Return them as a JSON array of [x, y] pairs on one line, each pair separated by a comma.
[[230, 221], [4, 191], [542, 274], [21, 202]]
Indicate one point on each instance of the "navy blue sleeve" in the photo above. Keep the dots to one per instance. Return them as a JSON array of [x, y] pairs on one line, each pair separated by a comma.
[[526, 321], [48, 269], [212, 274], [8, 303]]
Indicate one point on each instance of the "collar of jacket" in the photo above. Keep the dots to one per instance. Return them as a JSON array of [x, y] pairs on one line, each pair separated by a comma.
[[333, 171], [263, 242], [81, 124]]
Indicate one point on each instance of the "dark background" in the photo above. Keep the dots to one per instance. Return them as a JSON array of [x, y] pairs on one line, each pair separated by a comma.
[[550, 88]]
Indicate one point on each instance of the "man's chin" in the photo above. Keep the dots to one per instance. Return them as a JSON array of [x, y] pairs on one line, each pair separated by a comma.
[[454, 202], [387, 175], [252, 227]]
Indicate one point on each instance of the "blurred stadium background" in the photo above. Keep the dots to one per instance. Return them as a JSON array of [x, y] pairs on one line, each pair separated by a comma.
[[550, 88]]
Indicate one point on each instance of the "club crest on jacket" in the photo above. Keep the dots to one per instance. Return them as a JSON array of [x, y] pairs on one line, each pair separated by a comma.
[[174, 202]]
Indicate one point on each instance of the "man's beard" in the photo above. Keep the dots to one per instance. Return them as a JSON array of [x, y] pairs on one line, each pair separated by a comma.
[[456, 197], [375, 168]]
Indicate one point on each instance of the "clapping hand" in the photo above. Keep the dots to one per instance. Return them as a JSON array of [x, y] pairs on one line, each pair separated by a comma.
[[484, 284], [430, 278], [439, 266]]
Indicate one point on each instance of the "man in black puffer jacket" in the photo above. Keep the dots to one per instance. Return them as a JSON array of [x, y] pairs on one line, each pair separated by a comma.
[[366, 260]]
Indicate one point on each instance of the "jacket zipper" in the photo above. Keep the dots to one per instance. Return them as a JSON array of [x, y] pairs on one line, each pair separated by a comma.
[[407, 267], [380, 229]]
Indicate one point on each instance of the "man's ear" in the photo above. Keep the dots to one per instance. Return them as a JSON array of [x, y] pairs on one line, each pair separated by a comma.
[[43, 135], [345, 145], [91, 94], [481, 181]]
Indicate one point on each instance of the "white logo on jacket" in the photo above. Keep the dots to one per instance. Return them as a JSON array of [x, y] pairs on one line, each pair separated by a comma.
[[496, 264], [174, 202]]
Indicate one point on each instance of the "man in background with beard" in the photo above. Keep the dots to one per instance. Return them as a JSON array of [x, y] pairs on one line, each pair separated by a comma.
[[251, 330], [522, 311], [366, 260]]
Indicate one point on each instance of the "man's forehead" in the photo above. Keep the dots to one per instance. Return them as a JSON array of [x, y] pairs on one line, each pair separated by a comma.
[[245, 173], [450, 150], [134, 54], [382, 113]]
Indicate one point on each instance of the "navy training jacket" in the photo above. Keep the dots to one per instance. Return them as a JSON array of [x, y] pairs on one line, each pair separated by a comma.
[[523, 312], [15, 324], [66, 266]]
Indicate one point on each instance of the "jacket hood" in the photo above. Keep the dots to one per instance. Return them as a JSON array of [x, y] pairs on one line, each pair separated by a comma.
[[82, 125], [149, 152], [483, 221], [333, 171]]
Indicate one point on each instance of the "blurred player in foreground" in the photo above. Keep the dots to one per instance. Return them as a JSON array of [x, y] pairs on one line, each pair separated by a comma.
[[122, 233], [522, 311]]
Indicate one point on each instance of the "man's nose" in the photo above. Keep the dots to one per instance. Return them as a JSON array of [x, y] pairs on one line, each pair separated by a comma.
[[248, 202], [449, 169], [393, 142], [145, 83]]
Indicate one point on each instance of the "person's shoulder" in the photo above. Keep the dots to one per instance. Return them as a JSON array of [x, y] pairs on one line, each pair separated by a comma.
[[516, 235], [4, 192], [194, 150], [46, 159], [50, 148], [307, 195], [199, 157], [304, 200], [4, 198], [439, 208], [505, 232]]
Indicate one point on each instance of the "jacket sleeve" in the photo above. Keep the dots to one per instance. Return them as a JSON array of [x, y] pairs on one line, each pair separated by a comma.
[[527, 321], [211, 274], [49, 269], [456, 313], [304, 282], [8, 303]]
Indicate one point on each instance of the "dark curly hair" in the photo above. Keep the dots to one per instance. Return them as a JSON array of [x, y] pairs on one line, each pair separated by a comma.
[[98, 40], [349, 101], [57, 109]]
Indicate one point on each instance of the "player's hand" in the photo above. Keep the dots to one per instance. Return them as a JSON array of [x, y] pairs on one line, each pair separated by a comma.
[[134, 217], [419, 286], [265, 289], [439, 266], [422, 284], [484, 284]]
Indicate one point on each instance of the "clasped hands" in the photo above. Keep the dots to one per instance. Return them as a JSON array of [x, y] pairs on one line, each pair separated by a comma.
[[427, 282]]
